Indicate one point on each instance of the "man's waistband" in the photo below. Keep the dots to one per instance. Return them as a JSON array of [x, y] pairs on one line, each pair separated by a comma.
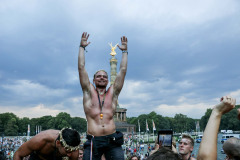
[[89, 137]]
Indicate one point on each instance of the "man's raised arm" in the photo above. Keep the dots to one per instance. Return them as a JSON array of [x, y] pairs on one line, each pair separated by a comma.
[[118, 84], [208, 146], [83, 76]]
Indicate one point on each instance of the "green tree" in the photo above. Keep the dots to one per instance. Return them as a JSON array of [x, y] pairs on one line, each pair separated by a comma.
[[63, 119], [1, 127], [44, 122], [182, 123], [11, 129], [51, 124], [204, 119], [6, 118], [229, 121], [80, 124], [33, 123], [162, 123], [23, 125]]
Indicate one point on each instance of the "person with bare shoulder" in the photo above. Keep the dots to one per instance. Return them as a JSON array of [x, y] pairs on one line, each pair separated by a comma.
[[51, 145], [100, 105], [208, 146]]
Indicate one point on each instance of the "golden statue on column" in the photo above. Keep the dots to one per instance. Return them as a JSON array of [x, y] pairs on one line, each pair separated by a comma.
[[113, 53]]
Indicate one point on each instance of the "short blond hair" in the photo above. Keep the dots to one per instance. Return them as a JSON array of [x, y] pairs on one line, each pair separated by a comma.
[[99, 71], [188, 137]]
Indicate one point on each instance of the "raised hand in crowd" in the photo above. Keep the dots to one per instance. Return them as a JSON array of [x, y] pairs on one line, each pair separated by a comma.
[[208, 146]]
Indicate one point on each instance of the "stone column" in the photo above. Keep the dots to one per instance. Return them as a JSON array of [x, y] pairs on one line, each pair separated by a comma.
[[113, 65]]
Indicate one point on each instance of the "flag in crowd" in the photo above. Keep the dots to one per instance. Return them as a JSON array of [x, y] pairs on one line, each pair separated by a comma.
[[154, 128], [138, 126], [147, 126]]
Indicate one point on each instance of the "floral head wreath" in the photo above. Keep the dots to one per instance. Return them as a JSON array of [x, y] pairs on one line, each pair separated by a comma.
[[65, 145]]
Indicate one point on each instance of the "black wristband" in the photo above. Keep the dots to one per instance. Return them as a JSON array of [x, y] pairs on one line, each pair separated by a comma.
[[82, 47]]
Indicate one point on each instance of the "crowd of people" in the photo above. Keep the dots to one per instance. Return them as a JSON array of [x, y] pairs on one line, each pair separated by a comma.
[[8, 146]]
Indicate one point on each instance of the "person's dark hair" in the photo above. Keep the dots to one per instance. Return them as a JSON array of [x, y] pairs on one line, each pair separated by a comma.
[[134, 156], [236, 158], [71, 137], [81, 148], [164, 154]]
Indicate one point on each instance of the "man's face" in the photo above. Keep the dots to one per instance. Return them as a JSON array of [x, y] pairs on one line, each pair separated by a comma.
[[185, 146], [71, 154], [101, 79], [62, 151], [80, 157]]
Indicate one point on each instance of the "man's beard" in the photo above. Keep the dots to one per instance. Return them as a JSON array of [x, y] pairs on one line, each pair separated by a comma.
[[101, 85]]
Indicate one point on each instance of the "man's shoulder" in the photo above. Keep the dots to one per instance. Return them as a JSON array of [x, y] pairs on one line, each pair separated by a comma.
[[48, 135], [50, 131]]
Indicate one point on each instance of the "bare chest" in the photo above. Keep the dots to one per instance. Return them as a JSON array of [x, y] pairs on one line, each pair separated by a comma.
[[101, 105]]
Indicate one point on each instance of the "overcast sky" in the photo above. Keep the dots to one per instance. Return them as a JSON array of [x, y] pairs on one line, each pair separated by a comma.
[[183, 55]]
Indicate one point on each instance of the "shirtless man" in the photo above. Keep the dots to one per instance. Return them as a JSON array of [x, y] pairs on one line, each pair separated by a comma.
[[51, 145], [185, 147], [100, 105]]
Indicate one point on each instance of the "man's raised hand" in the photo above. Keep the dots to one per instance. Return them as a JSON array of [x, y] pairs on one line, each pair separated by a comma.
[[226, 105], [84, 39], [124, 41]]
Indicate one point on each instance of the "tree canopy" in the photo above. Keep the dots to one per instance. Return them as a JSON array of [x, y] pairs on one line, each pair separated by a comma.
[[11, 125]]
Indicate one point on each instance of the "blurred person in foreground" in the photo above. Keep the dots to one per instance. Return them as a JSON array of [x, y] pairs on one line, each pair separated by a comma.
[[99, 105], [208, 146], [51, 145], [134, 157], [232, 148], [164, 154]]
